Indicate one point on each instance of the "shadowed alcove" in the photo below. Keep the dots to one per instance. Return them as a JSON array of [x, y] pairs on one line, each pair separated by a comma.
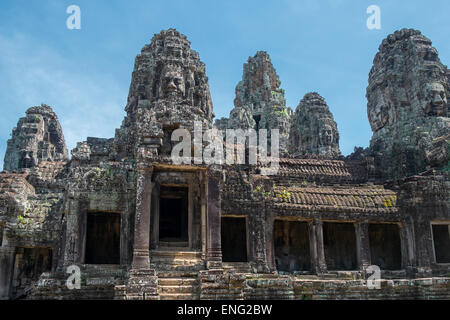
[[441, 240], [340, 246], [234, 239], [103, 238], [173, 217], [385, 247], [291, 242]]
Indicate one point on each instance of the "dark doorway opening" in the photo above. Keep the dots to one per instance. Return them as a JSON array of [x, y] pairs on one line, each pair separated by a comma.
[[103, 238], [339, 241], [234, 239], [30, 263], [291, 242], [441, 239], [385, 247], [174, 214]]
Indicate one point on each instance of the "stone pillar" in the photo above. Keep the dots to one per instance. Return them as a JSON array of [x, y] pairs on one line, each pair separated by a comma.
[[142, 283], [423, 246], [154, 218], [407, 246], [126, 255], [7, 255], [75, 232], [270, 223], [203, 213], [213, 218], [318, 262], [263, 240], [141, 247], [362, 245]]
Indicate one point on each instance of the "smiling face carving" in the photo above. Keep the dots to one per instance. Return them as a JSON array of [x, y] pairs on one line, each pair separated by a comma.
[[435, 99], [173, 84], [377, 111], [326, 135]]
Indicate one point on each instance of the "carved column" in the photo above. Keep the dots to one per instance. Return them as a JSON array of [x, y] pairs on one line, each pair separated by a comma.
[[73, 242], [318, 262], [141, 253], [362, 244], [203, 212], [407, 246], [154, 218], [142, 282], [213, 218]]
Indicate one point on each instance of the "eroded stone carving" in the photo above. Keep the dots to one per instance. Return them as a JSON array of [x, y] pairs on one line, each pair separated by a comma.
[[313, 129], [408, 105], [169, 89], [38, 137], [52, 205], [172, 82], [260, 102], [241, 118]]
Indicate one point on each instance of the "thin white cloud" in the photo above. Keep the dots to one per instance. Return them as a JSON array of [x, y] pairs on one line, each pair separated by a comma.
[[31, 73]]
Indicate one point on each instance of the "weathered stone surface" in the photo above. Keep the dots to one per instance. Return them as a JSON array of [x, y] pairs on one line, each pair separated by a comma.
[[169, 89], [260, 102], [221, 124], [45, 211], [38, 137], [313, 129], [241, 118], [408, 105]]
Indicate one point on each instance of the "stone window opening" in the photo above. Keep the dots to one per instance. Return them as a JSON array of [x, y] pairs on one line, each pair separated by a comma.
[[339, 239], [103, 238], [385, 246], [291, 246], [234, 239], [441, 241]]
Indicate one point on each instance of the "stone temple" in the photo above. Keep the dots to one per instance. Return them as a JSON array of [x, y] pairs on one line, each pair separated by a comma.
[[138, 226]]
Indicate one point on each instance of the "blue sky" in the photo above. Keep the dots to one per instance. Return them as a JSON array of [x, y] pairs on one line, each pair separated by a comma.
[[315, 45]]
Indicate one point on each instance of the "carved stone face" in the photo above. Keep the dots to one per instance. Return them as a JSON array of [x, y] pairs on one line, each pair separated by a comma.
[[378, 115], [172, 82], [435, 99], [240, 118], [27, 159], [326, 135]]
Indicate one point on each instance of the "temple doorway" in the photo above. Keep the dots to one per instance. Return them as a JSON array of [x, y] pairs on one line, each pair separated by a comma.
[[441, 242], [234, 239], [291, 244], [385, 246], [173, 216], [339, 241], [103, 238]]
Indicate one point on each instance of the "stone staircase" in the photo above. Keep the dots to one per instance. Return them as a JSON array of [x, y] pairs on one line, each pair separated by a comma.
[[177, 270], [178, 285], [97, 282], [176, 259], [237, 267]]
